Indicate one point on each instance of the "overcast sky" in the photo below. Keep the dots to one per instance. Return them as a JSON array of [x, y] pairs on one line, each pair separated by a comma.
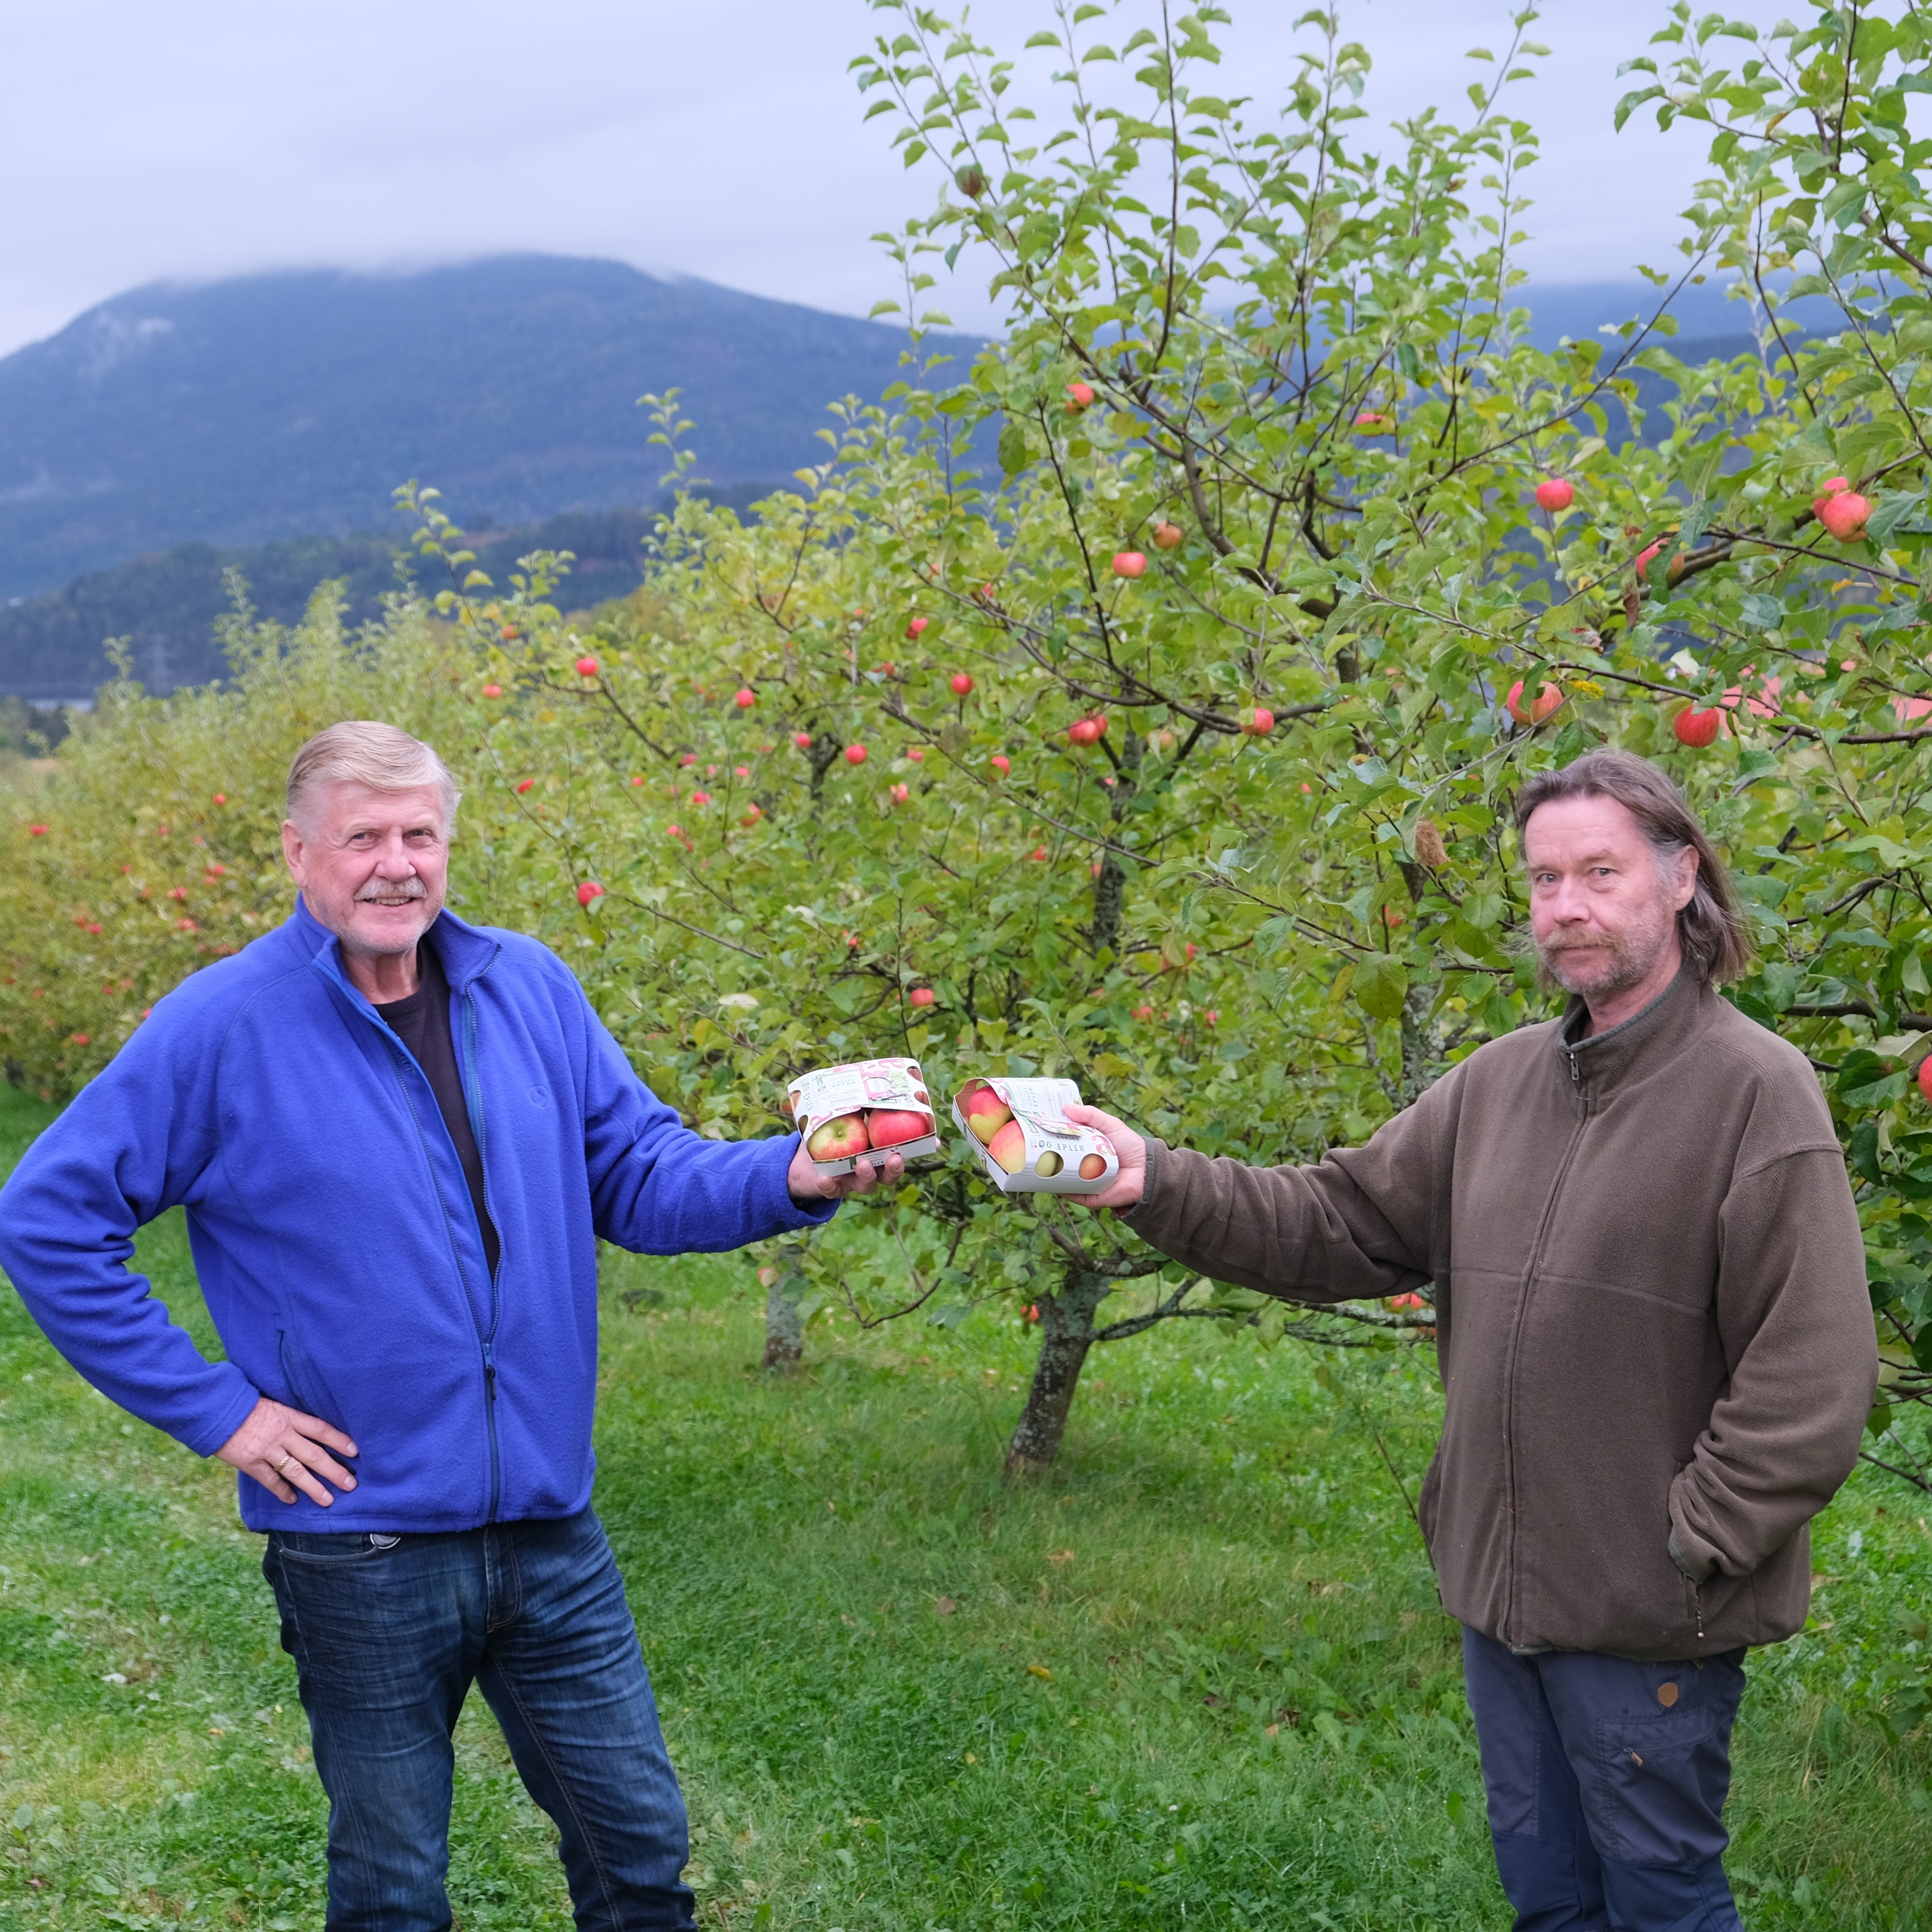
[[722, 138]]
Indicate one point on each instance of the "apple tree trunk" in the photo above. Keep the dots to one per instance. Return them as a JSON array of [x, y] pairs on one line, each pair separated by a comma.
[[1065, 1334], [784, 1318]]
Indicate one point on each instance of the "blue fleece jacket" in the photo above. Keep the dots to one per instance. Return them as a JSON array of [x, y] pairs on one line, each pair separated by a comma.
[[334, 1236]]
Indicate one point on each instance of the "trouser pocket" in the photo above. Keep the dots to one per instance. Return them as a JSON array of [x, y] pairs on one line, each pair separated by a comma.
[[1663, 1768]]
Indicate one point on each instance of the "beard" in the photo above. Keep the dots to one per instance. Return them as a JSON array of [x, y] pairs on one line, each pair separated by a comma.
[[1608, 962]]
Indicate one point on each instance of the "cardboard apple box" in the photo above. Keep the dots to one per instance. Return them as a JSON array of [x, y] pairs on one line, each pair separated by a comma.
[[862, 1087], [1051, 1140]]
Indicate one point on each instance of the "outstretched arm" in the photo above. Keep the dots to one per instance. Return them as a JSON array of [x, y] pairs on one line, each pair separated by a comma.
[[1363, 1221]]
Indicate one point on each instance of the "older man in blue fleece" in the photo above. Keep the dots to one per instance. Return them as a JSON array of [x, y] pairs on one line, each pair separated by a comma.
[[398, 1138]]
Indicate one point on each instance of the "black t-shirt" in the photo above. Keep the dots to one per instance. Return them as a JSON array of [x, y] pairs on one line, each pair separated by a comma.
[[421, 1023]]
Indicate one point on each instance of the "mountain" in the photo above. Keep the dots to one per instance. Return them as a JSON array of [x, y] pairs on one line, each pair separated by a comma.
[[287, 405]]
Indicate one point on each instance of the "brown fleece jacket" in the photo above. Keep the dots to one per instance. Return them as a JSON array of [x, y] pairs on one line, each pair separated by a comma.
[[1656, 1348]]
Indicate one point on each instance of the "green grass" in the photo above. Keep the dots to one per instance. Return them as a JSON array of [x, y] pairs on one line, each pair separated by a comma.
[[1198, 1677]]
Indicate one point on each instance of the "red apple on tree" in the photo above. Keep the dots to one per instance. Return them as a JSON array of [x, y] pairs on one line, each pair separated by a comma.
[[917, 628], [1083, 731], [586, 667], [1258, 722], [590, 890], [525, 785], [1167, 536], [961, 681], [1554, 493], [802, 740], [855, 755], [1831, 486], [1844, 515], [1001, 764], [900, 794], [745, 699], [1696, 729], [493, 691], [1129, 563], [1079, 398], [839, 1139], [922, 996], [1547, 700], [1925, 1077]]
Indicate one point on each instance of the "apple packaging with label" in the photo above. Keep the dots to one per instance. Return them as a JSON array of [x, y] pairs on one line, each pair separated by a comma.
[[1020, 1131], [875, 1106]]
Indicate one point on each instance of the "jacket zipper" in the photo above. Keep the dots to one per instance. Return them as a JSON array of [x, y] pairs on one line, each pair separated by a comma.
[[486, 1337], [1515, 1334], [472, 1101]]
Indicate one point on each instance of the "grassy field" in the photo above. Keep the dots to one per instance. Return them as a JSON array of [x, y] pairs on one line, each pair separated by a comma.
[[1198, 1677]]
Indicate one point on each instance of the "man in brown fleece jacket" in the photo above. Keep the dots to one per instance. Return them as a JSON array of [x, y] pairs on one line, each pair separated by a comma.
[[1656, 1349]]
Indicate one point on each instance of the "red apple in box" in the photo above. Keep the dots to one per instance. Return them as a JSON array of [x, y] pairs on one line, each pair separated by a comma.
[[1092, 1166], [985, 1112], [839, 1139], [1007, 1146], [892, 1126]]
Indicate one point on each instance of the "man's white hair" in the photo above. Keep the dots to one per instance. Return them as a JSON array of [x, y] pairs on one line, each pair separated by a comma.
[[360, 751]]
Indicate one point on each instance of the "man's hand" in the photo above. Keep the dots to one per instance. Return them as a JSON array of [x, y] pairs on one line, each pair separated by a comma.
[[807, 1186], [286, 1450], [1130, 1183]]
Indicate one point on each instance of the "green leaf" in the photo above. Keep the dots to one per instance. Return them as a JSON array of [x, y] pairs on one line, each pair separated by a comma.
[[1380, 984], [1778, 983], [1894, 508]]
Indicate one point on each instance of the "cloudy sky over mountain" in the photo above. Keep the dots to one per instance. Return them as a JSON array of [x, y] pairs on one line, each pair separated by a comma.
[[724, 140]]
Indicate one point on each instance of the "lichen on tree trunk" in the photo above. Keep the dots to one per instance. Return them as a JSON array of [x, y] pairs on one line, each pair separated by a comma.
[[784, 1318]]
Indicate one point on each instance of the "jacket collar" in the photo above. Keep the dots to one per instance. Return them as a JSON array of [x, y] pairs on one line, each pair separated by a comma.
[[1647, 1037], [465, 950]]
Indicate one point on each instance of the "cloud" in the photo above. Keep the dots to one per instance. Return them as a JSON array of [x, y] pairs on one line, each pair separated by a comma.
[[724, 140]]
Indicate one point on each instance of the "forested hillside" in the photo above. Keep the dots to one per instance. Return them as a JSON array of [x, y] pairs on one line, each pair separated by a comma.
[[53, 648], [289, 405]]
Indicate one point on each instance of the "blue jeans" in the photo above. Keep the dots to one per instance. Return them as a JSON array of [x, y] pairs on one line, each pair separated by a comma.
[[388, 1635], [1606, 1782]]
